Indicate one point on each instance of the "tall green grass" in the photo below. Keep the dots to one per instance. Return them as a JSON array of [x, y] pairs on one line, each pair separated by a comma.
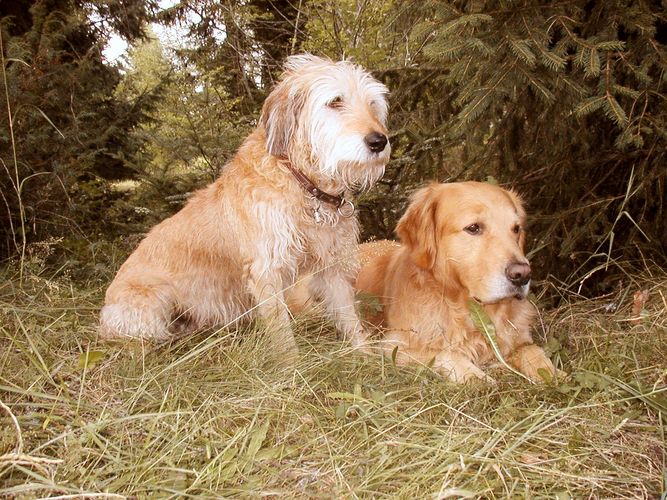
[[216, 414]]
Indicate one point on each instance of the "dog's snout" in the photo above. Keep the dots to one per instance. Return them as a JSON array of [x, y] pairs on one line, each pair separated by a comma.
[[518, 273], [376, 141]]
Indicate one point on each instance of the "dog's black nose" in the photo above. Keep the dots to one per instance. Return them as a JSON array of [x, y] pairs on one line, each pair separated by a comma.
[[376, 141], [518, 273]]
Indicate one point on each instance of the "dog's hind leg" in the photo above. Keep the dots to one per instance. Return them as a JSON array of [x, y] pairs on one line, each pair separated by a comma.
[[137, 310]]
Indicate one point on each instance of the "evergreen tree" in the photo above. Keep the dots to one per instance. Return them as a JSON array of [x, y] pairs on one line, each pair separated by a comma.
[[566, 101], [192, 132], [63, 131], [238, 45]]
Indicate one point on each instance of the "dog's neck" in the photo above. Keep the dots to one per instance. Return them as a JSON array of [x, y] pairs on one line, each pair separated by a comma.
[[309, 186], [306, 162], [337, 202]]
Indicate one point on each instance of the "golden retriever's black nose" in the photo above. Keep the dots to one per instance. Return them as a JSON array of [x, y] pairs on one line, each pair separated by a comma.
[[376, 141], [518, 273]]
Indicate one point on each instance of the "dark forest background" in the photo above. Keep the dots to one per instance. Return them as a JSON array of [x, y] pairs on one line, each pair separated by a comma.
[[564, 101]]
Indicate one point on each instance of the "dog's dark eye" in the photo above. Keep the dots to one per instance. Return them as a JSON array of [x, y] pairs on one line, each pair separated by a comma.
[[336, 102], [516, 229], [473, 229]]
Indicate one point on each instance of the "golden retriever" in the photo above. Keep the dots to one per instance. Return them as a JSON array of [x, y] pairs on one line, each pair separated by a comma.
[[280, 207], [459, 242]]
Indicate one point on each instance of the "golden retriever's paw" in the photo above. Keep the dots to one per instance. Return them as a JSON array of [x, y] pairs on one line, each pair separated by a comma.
[[534, 363], [459, 369], [475, 379], [369, 347]]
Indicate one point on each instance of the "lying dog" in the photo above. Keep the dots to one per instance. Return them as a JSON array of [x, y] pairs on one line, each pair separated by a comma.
[[459, 242], [279, 208]]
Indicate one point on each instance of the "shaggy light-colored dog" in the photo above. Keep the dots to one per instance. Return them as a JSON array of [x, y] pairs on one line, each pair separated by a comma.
[[280, 208], [459, 242]]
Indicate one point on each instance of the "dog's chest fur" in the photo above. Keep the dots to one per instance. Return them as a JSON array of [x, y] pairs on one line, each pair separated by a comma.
[[511, 320], [444, 323], [287, 230], [327, 243]]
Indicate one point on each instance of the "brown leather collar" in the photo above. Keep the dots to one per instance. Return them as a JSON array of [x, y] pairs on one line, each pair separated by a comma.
[[311, 188]]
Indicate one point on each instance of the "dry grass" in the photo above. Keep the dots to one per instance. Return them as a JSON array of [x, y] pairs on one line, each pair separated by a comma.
[[215, 415]]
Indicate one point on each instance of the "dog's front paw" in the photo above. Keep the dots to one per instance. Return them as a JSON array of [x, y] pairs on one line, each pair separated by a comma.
[[459, 369], [534, 363]]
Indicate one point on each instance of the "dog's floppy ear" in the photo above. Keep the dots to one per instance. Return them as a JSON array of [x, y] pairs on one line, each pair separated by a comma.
[[417, 229], [280, 114], [521, 212]]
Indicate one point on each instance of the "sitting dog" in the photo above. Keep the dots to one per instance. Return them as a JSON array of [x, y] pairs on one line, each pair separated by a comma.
[[459, 242], [280, 207]]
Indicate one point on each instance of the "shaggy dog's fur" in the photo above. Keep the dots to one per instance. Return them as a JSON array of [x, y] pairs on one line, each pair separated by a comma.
[[238, 243], [459, 242]]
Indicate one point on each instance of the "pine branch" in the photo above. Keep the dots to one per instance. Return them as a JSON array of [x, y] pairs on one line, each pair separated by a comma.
[[592, 68], [614, 110], [552, 61], [588, 106], [521, 49]]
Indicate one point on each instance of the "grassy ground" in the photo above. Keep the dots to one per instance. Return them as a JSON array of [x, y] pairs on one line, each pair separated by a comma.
[[215, 415]]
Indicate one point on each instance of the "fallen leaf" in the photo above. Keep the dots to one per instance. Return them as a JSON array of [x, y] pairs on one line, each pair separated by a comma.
[[89, 359]]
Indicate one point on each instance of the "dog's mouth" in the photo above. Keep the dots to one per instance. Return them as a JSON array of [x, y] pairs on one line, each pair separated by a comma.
[[372, 160], [383, 155], [522, 291], [518, 294], [362, 176]]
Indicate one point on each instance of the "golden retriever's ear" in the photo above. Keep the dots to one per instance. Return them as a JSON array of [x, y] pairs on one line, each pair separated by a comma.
[[417, 228], [521, 212], [280, 115]]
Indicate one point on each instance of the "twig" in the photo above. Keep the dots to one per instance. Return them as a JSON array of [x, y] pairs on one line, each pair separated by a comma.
[[17, 182], [19, 444], [18, 457]]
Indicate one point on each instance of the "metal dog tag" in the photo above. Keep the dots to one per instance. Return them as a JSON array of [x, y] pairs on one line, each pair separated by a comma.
[[317, 215], [346, 209]]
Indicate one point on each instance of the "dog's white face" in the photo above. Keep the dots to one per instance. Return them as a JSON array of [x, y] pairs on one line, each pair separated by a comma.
[[329, 118]]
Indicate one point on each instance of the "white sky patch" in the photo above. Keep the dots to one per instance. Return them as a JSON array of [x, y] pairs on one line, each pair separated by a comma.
[[171, 37], [116, 47]]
